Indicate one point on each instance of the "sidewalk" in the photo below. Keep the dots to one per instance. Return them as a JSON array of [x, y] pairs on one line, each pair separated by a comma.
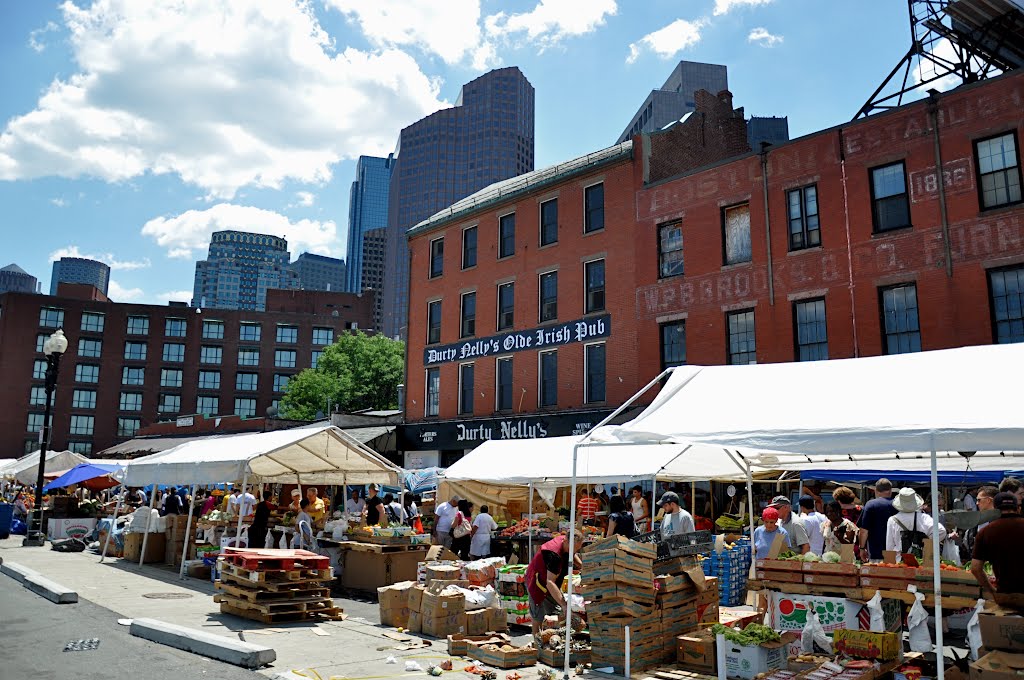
[[354, 648]]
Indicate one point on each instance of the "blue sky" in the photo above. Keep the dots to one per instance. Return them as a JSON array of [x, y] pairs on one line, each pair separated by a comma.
[[132, 130]]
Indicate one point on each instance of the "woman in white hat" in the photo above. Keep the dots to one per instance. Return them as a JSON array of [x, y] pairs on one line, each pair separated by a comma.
[[907, 529]]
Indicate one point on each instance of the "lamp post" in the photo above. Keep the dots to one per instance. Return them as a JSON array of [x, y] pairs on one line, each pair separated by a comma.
[[53, 348]]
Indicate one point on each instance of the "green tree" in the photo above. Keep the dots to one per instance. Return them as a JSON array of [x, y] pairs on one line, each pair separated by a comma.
[[357, 372]]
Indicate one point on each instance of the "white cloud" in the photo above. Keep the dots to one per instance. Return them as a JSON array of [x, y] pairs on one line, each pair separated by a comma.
[[726, 6], [925, 69], [224, 94], [668, 41], [106, 258], [188, 234], [118, 293], [34, 37], [173, 295], [761, 36], [305, 198], [551, 21], [59, 202]]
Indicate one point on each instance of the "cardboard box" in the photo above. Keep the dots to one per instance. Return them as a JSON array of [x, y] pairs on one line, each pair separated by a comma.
[[696, 651], [780, 576], [998, 665], [494, 655], [1002, 630], [395, 596], [415, 622], [414, 598], [863, 644], [155, 547], [438, 552], [477, 622], [198, 570], [738, 618], [444, 626], [458, 645], [749, 661], [788, 612], [397, 617], [880, 583], [497, 620], [779, 565], [830, 568], [368, 571], [435, 604], [839, 581]]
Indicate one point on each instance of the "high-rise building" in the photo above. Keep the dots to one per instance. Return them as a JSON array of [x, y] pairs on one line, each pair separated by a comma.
[[767, 129], [14, 279], [367, 209], [374, 244], [80, 270], [486, 137], [319, 272], [239, 270]]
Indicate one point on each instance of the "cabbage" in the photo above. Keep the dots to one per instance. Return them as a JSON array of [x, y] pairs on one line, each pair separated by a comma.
[[809, 557], [830, 558]]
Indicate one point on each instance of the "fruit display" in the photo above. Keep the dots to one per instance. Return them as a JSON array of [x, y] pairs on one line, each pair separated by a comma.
[[521, 528]]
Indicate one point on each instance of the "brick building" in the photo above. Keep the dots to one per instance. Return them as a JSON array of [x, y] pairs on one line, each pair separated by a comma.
[[854, 246], [130, 365]]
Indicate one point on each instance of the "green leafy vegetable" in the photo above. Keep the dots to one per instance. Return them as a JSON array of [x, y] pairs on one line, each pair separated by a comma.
[[753, 634]]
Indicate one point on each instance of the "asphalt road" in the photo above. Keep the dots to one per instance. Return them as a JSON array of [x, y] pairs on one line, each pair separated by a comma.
[[34, 631]]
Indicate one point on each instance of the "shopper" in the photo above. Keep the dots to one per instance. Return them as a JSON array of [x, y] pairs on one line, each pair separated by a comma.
[[765, 535], [460, 544], [1001, 544], [209, 504], [303, 526], [675, 520], [874, 520], [812, 521], [172, 503], [641, 509], [587, 506], [20, 507], [354, 505], [544, 577], [317, 509], [1014, 486], [907, 529], [620, 520], [838, 530], [395, 511], [260, 522], [792, 524], [986, 503], [374, 508], [296, 504], [483, 526], [848, 500], [444, 516]]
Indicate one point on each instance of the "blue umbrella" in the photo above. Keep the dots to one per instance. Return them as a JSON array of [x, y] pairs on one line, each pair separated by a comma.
[[81, 473]]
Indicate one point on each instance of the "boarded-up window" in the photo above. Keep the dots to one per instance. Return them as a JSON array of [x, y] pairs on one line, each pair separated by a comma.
[[736, 232]]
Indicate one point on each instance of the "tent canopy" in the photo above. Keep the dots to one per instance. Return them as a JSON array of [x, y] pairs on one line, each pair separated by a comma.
[[26, 469], [316, 455], [85, 472]]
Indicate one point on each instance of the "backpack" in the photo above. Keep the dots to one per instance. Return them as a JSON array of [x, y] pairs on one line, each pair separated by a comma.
[[912, 540], [393, 517]]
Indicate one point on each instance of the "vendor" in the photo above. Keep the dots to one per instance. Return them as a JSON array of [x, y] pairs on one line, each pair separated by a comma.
[[641, 509], [260, 522], [374, 510], [355, 504], [587, 506], [765, 534], [676, 520], [296, 503], [1000, 544], [316, 509], [544, 577], [838, 530], [907, 529]]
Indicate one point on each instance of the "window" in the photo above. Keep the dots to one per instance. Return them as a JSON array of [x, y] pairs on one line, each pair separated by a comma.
[[174, 351], [51, 317], [284, 358], [742, 348], [169, 403], [37, 396], [92, 322], [900, 327], [170, 377], [670, 249], [323, 336], [249, 332], [289, 334], [82, 425], [802, 207], [436, 257], [548, 387], [503, 393], [998, 170], [174, 328], [315, 357], [673, 344], [210, 355], [209, 380], [245, 408], [248, 356], [506, 305], [130, 401], [469, 247], [593, 274], [213, 330], [39, 369], [736, 234], [208, 406], [80, 447], [88, 347], [593, 208], [280, 382], [433, 403], [84, 399], [30, 446], [468, 315], [810, 329], [595, 371], [433, 322], [466, 388], [40, 341], [135, 351], [138, 325], [507, 235], [247, 382], [133, 376], [549, 222], [1006, 287], [127, 427], [87, 373], [548, 296], [35, 423], [890, 207]]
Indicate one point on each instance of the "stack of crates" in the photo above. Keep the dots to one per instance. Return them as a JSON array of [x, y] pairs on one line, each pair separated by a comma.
[[514, 597], [731, 567]]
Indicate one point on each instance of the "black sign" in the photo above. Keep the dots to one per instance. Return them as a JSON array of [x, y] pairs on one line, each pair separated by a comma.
[[544, 337], [468, 434]]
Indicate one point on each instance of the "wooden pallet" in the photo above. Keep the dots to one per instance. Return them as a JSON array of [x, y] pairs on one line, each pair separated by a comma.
[[274, 586], [278, 606], [257, 595], [274, 560], [336, 614], [275, 575]]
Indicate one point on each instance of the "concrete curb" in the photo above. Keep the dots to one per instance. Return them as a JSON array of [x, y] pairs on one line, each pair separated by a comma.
[[16, 571], [228, 650], [52, 591]]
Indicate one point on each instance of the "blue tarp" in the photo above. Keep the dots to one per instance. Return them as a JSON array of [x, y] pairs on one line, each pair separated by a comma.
[[858, 476], [421, 481]]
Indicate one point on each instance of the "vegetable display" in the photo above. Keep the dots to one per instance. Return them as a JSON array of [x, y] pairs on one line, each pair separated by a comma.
[[753, 634]]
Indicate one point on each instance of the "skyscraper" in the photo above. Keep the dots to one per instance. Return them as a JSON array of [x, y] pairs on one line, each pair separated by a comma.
[[319, 272], [14, 279], [80, 270], [373, 250], [674, 99], [239, 269], [486, 137], [367, 209]]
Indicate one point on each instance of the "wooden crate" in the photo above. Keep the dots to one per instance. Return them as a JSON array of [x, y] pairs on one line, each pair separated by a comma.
[[492, 655], [550, 657]]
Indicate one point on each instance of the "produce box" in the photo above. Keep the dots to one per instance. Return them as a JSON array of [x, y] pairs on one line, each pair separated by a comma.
[[444, 626], [998, 665], [458, 644], [849, 569], [478, 622], [947, 576], [955, 589], [695, 651], [838, 580], [617, 607], [555, 659], [395, 596], [885, 583], [1002, 630], [749, 661], [780, 576], [443, 572], [504, 656], [779, 565], [788, 612], [890, 571], [395, 617], [863, 644], [435, 603], [155, 547], [738, 618]]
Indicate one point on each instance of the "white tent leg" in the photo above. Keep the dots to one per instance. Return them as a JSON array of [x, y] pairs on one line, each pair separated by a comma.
[[529, 530], [149, 520], [936, 567], [188, 532], [238, 529], [572, 555], [750, 499], [654, 491], [113, 523]]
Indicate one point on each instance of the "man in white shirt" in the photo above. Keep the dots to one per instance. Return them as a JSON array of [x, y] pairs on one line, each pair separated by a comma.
[[355, 504], [233, 502], [793, 525], [812, 520], [483, 525], [676, 520], [246, 504], [908, 519], [396, 513], [445, 514]]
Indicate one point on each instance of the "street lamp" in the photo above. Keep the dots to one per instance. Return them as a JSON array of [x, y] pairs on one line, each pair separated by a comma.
[[53, 348]]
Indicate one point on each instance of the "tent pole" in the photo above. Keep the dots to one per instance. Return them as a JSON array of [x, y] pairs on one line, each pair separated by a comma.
[[238, 529], [149, 520], [750, 500], [113, 523], [693, 499], [654, 492], [188, 532], [936, 567], [529, 530], [572, 556]]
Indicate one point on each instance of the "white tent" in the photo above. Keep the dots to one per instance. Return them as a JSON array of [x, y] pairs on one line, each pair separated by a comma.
[[26, 469]]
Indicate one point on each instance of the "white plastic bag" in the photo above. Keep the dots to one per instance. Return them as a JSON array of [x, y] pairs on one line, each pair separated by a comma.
[[391, 659], [974, 631], [282, 544], [339, 530], [950, 551], [917, 622], [413, 666], [877, 616], [481, 598], [269, 540], [813, 634]]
